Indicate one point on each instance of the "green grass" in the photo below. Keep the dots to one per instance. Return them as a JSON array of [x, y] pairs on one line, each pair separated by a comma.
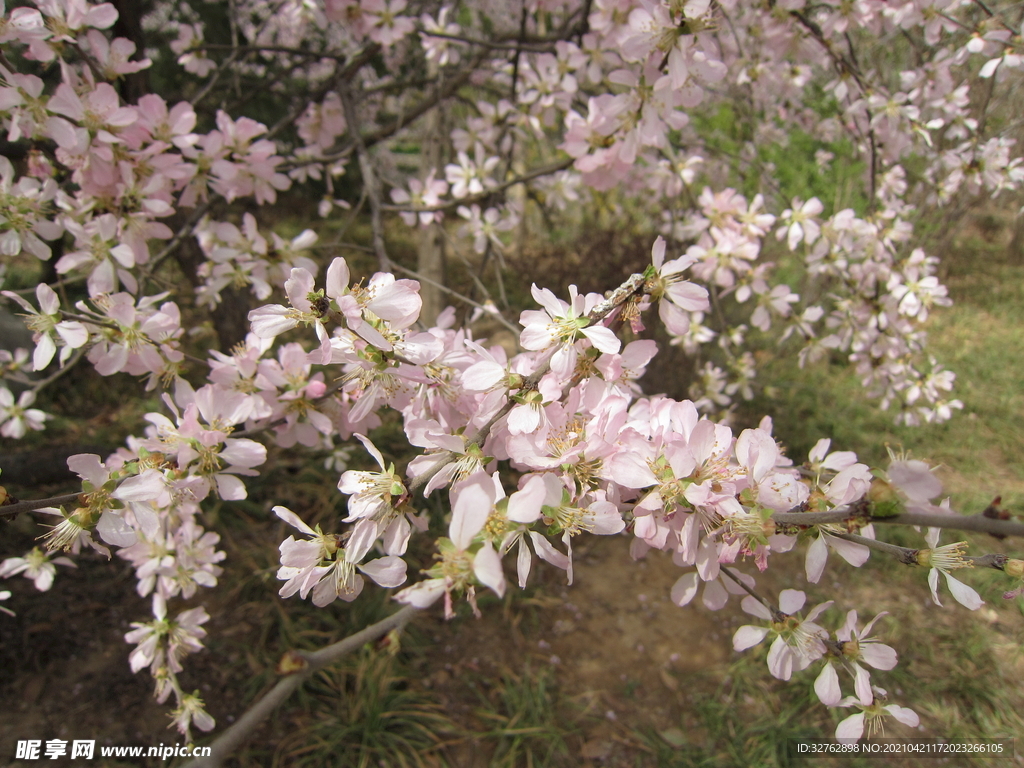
[[365, 713], [980, 339], [522, 722], [745, 721]]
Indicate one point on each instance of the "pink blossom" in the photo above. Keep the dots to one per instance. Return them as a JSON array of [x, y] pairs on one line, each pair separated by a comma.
[[677, 297], [857, 648], [114, 56], [801, 226], [797, 643], [25, 217], [371, 492], [36, 565], [870, 720], [46, 322], [472, 503], [560, 324], [385, 25], [18, 417], [189, 47]]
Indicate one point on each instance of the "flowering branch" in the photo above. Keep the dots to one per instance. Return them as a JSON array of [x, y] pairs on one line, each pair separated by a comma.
[[619, 96]]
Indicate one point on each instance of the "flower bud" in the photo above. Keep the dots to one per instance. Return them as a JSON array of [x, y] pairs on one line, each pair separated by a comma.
[[1014, 568], [291, 662]]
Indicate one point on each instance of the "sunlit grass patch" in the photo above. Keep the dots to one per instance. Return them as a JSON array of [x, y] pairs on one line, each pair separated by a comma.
[[981, 339]]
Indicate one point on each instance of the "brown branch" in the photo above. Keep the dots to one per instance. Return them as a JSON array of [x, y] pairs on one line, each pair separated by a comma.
[[494, 45], [440, 286], [976, 523], [908, 555], [442, 92], [10, 510], [370, 181], [905, 555], [240, 49], [311, 662], [64, 369], [184, 231], [777, 614], [545, 170]]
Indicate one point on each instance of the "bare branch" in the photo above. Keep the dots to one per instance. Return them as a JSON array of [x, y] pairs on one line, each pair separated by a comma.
[[497, 316], [905, 555], [184, 231], [370, 181], [242, 729], [10, 510], [68, 366], [545, 170], [343, 75], [977, 523], [493, 45], [240, 49]]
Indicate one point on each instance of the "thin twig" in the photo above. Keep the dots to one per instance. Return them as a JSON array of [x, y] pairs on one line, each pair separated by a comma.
[[270, 49], [469, 267], [370, 181], [905, 555], [184, 231], [343, 75], [498, 316], [494, 46], [221, 69], [777, 614], [545, 170], [79, 353], [442, 92]]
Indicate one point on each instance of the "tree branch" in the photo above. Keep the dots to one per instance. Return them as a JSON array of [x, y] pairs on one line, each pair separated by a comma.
[[10, 510], [370, 181], [977, 523], [312, 662], [545, 170], [494, 46], [496, 315]]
